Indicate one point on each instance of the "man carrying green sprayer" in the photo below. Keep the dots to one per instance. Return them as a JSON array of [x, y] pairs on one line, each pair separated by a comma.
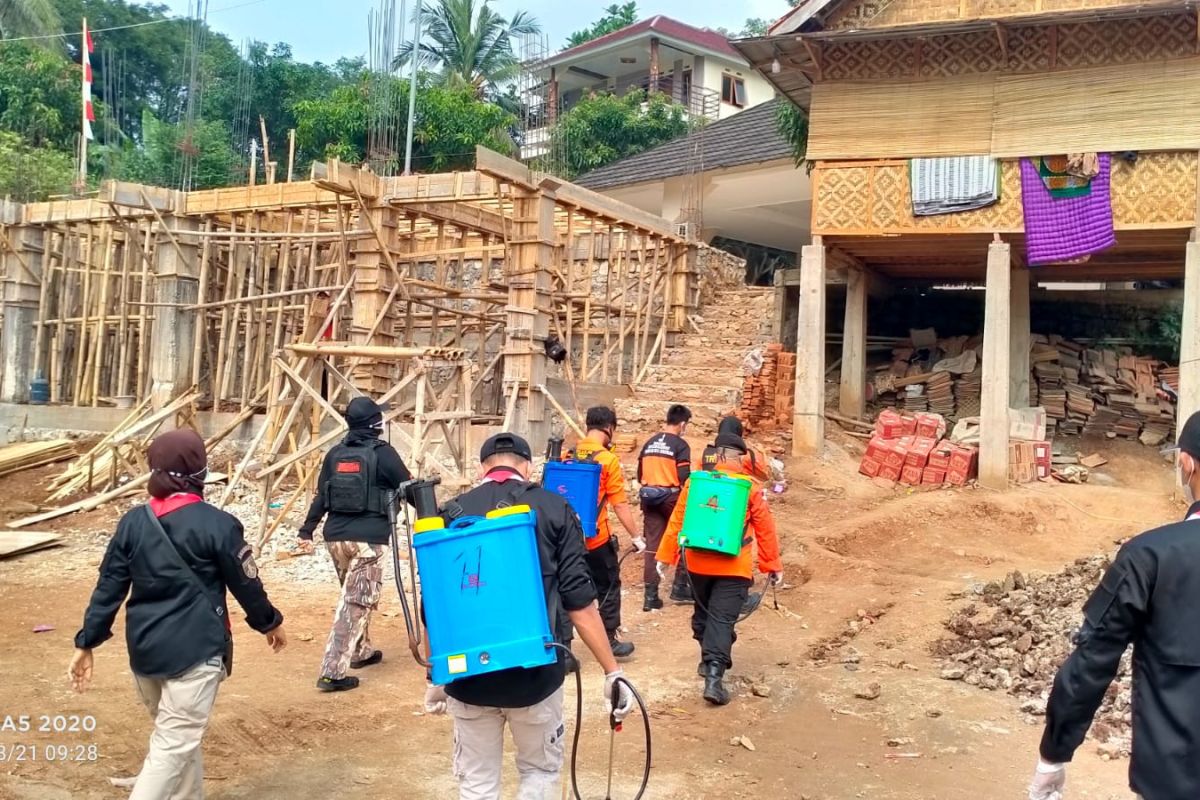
[[718, 568]]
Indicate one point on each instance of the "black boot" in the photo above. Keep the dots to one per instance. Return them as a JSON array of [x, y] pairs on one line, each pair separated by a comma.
[[652, 601], [681, 590], [714, 689], [621, 650]]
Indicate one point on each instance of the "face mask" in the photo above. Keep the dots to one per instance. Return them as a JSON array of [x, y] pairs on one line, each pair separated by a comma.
[[1186, 481]]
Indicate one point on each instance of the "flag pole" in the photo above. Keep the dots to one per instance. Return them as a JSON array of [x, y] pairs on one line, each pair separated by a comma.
[[83, 123], [86, 113]]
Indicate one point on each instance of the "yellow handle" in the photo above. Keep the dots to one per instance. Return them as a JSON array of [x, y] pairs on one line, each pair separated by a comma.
[[508, 512]]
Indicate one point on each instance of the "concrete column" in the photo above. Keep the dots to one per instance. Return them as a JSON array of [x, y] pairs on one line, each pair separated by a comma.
[[552, 97], [993, 435], [852, 396], [1189, 340], [677, 81], [172, 337], [808, 429], [22, 270], [1018, 379]]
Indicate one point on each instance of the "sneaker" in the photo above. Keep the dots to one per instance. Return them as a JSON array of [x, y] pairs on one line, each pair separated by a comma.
[[621, 650], [374, 658], [327, 684]]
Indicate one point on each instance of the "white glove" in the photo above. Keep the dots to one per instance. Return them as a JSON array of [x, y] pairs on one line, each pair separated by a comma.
[[775, 577], [1049, 781], [639, 544], [662, 568], [626, 699], [435, 699]]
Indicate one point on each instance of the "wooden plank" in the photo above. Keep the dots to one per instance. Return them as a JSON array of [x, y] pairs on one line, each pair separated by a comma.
[[993, 435], [15, 543]]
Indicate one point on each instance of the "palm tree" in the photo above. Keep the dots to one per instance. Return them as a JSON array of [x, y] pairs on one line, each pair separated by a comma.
[[28, 18], [469, 43]]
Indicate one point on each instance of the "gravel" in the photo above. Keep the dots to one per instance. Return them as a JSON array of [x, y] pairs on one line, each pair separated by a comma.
[[1014, 634]]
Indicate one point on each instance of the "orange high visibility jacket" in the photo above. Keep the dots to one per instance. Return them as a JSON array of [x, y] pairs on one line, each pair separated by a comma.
[[612, 487], [760, 526]]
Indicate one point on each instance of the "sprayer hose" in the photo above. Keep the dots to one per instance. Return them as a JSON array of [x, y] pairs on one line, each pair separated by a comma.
[[579, 729]]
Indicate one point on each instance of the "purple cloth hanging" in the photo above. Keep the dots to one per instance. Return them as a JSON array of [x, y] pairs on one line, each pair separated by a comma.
[[1062, 230]]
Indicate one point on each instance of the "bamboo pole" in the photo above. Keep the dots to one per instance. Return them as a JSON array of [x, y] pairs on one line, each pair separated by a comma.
[[143, 362], [101, 334], [124, 337], [200, 324], [84, 312]]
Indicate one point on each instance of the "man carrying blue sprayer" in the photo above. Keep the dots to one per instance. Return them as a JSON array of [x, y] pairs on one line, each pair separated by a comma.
[[530, 701]]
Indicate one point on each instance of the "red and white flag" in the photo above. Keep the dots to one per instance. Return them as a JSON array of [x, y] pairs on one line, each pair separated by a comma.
[[89, 113]]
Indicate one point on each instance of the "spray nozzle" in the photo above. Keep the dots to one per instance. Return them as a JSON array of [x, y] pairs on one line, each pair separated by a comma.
[[554, 449]]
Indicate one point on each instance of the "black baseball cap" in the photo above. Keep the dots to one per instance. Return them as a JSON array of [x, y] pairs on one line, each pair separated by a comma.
[[505, 443], [1189, 437]]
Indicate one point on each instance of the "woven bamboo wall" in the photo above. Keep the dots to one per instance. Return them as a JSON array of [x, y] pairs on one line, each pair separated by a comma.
[[1144, 106], [1028, 50], [866, 199], [882, 13]]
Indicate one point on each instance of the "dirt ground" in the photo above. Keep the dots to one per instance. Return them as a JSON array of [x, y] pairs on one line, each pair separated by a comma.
[[871, 572]]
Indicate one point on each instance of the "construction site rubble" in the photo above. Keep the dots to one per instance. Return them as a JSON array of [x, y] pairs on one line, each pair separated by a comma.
[[1014, 634]]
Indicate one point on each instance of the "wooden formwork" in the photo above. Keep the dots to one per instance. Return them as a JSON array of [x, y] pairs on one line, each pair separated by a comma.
[[225, 294]]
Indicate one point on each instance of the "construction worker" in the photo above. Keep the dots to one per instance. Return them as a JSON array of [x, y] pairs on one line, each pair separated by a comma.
[[663, 468], [1147, 598], [721, 583], [602, 557], [357, 483], [530, 701], [754, 464], [174, 558]]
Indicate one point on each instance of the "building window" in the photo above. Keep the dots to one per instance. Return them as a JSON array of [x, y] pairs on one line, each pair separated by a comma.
[[733, 91]]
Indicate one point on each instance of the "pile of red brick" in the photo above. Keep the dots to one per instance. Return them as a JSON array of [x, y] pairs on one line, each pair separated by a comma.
[[769, 398], [910, 449]]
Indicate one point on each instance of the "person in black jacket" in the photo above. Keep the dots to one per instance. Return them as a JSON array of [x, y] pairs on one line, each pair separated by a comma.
[[530, 701], [174, 558], [1147, 598], [356, 489]]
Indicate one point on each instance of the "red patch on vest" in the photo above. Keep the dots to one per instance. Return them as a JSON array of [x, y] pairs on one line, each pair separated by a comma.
[[348, 466]]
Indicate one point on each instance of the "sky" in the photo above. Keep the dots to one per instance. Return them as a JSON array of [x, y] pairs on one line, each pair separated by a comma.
[[326, 30]]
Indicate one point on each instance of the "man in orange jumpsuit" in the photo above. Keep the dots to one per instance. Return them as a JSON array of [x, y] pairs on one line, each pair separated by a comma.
[[721, 583]]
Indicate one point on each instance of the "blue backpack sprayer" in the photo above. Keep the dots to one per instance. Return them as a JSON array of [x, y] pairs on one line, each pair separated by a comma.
[[483, 602]]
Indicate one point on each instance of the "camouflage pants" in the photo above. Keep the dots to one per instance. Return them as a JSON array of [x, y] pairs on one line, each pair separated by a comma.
[[360, 570]]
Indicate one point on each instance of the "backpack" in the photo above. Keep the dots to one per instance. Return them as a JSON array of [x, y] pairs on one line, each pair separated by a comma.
[[353, 487]]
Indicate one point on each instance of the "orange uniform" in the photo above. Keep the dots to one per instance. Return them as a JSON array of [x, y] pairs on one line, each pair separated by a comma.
[[612, 486], [760, 526]]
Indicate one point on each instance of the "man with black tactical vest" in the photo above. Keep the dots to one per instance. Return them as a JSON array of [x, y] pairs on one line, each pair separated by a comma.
[[1147, 598], [358, 481], [529, 701]]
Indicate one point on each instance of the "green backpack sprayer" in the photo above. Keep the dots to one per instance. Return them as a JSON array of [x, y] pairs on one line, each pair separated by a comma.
[[482, 600]]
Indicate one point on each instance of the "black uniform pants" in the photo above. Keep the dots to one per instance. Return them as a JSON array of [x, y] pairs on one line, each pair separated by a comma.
[[654, 524], [602, 565], [719, 600]]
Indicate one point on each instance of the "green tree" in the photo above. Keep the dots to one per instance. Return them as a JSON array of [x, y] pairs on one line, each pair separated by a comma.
[[604, 128], [792, 124], [39, 95], [614, 18], [29, 174], [28, 18], [158, 161], [449, 123], [470, 43]]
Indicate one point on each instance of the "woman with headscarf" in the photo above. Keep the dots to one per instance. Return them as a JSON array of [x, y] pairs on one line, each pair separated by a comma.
[[174, 558]]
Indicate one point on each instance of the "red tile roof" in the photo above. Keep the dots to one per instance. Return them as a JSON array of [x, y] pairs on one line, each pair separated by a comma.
[[664, 26]]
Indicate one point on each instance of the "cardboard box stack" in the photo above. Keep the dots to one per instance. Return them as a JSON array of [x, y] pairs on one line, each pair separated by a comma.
[[910, 449]]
